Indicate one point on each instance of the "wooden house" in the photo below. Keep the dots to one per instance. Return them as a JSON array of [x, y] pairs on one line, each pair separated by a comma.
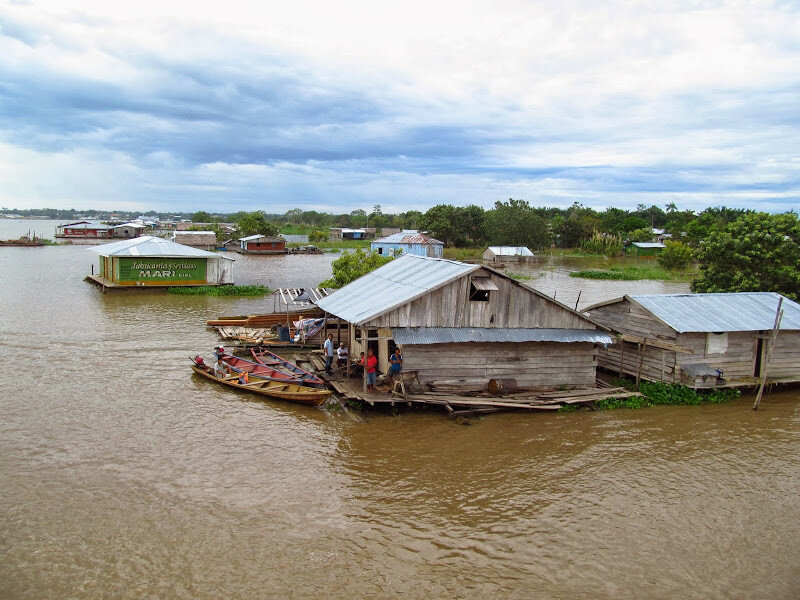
[[701, 340], [465, 322], [129, 230], [262, 244], [502, 255], [156, 262], [408, 241], [204, 240]]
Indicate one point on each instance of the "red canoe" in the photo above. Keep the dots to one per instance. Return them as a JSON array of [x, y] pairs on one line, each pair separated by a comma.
[[240, 365], [268, 359]]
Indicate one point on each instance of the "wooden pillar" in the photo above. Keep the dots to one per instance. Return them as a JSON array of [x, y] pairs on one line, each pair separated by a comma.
[[642, 348], [768, 352], [621, 355]]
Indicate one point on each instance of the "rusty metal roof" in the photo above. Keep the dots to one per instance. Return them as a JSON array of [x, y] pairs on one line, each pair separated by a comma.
[[392, 285], [457, 335], [740, 311], [408, 237]]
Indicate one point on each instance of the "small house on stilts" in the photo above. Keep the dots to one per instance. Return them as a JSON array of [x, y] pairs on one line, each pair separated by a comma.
[[701, 340], [466, 323]]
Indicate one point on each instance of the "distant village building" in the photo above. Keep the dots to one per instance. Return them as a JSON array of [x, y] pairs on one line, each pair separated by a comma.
[[644, 248], [659, 235], [700, 340], [129, 230], [408, 241], [262, 244], [468, 323], [204, 240], [154, 261], [345, 233], [501, 255], [84, 230]]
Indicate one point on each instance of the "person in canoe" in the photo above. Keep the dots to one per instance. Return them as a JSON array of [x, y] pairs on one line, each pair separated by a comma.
[[244, 377], [220, 368]]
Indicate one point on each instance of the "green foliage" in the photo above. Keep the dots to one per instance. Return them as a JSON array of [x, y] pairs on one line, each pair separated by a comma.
[[454, 225], [463, 254], [577, 226], [645, 234], [655, 393], [515, 223], [318, 235], [603, 243], [756, 252], [221, 290], [256, 223], [628, 274], [214, 227], [352, 265], [201, 216], [675, 256]]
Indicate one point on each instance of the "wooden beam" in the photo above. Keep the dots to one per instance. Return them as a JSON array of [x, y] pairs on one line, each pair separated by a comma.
[[635, 339]]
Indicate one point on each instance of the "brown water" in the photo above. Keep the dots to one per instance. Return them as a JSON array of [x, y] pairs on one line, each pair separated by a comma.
[[124, 476]]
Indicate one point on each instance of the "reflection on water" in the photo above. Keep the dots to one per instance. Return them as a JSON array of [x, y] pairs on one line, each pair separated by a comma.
[[123, 475]]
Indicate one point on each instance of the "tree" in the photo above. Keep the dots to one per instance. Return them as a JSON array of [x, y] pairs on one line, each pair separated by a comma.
[[318, 235], [352, 265], [442, 222], [514, 223], [675, 256], [256, 223], [201, 216], [756, 252], [645, 234]]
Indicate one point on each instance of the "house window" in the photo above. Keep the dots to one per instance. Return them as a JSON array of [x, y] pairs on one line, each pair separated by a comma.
[[716, 343], [480, 288], [380, 250]]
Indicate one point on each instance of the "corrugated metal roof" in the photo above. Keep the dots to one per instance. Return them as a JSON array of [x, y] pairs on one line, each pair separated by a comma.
[[741, 311], [151, 246], [408, 237], [649, 245], [392, 285], [132, 224], [450, 335], [510, 251], [88, 226]]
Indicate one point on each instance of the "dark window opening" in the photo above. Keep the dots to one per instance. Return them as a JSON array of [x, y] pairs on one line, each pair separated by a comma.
[[380, 250], [476, 295]]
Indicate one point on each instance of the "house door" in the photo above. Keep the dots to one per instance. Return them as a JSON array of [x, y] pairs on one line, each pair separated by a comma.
[[759, 353]]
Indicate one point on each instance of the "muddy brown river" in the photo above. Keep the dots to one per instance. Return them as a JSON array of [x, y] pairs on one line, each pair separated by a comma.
[[122, 475]]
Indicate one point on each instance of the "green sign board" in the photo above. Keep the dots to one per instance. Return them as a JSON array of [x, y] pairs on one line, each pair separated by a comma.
[[162, 269]]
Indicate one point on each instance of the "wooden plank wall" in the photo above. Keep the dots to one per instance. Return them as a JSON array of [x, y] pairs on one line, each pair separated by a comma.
[[738, 361], [785, 360], [626, 317], [531, 364], [513, 305], [657, 364]]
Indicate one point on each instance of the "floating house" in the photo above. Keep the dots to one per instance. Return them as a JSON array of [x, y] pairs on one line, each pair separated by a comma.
[[501, 255], [408, 241], [84, 230], [156, 262], [345, 233], [129, 230], [644, 248], [464, 322], [701, 340], [262, 244], [204, 240]]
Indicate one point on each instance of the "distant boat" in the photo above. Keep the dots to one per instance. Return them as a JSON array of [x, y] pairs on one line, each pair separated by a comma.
[[267, 387], [269, 359]]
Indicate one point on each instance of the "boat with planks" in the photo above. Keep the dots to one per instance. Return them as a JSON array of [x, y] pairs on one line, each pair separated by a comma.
[[283, 390], [241, 365], [269, 359]]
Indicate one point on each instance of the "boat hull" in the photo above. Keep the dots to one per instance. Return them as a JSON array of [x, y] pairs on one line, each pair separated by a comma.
[[290, 392], [271, 360]]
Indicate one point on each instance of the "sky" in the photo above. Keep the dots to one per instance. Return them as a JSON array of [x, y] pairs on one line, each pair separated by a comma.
[[336, 106]]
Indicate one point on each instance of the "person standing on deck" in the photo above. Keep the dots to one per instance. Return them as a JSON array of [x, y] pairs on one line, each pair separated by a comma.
[[328, 353], [396, 363], [371, 366]]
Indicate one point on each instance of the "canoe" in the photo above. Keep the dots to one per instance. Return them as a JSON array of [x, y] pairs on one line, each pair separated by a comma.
[[261, 371], [269, 359], [274, 389]]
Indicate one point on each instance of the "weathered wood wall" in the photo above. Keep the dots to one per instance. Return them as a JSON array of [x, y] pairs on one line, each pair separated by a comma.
[[512, 305], [785, 360], [531, 364], [626, 317], [657, 364]]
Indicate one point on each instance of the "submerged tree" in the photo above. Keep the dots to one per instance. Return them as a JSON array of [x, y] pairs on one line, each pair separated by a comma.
[[515, 223], [256, 223], [757, 252], [352, 265]]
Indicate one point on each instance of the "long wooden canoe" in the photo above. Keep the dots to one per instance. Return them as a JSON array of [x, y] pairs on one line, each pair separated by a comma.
[[273, 389], [241, 365], [269, 359]]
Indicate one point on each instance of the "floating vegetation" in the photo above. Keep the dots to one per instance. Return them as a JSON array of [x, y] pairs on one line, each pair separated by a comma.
[[221, 290], [632, 274], [655, 393], [520, 275]]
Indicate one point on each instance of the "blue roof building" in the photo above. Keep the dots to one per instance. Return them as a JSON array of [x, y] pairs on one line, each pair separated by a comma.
[[408, 241]]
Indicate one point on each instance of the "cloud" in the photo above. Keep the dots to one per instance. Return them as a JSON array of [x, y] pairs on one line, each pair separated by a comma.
[[337, 105]]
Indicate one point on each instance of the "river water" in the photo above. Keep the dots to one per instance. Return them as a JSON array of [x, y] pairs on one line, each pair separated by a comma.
[[122, 475]]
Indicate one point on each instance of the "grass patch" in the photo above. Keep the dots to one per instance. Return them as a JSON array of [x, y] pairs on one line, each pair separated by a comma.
[[464, 254], [221, 290], [519, 275], [634, 273], [655, 393]]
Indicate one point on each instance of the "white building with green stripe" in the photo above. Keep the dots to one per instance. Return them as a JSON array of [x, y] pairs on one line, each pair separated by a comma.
[[154, 261]]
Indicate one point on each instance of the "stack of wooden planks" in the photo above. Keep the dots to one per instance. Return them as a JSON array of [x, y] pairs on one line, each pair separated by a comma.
[[552, 400], [244, 334], [263, 321]]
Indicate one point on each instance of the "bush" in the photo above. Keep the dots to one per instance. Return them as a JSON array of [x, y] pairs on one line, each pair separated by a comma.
[[318, 235], [221, 290], [605, 244], [675, 256], [352, 265]]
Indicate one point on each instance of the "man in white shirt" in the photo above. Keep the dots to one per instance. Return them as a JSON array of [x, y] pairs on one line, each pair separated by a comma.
[[328, 353], [341, 356]]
